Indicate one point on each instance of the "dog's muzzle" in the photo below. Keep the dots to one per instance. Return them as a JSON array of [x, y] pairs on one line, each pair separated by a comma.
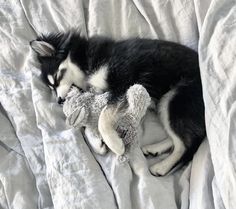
[[60, 100]]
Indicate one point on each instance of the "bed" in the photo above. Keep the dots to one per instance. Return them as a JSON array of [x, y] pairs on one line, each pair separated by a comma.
[[46, 164]]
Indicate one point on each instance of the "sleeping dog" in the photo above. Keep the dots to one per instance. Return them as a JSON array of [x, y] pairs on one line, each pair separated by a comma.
[[169, 71]]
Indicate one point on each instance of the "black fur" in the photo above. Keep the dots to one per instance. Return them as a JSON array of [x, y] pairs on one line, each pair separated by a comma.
[[157, 65]]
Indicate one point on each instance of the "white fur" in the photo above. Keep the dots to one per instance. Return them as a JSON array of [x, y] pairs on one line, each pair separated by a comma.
[[163, 167], [106, 128], [95, 141], [51, 79], [73, 75], [98, 79], [62, 90], [64, 64], [158, 148]]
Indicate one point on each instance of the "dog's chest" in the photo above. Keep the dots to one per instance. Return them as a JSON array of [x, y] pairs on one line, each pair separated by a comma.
[[98, 79]]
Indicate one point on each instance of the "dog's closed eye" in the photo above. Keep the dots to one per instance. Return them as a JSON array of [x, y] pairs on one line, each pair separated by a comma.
[[60, 75]]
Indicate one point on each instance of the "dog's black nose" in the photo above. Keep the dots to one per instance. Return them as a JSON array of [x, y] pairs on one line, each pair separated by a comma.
[[60, 100]]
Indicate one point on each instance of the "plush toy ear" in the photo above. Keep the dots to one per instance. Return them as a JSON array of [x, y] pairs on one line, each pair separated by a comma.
[[42, 48], [78, 117], [138, 101]]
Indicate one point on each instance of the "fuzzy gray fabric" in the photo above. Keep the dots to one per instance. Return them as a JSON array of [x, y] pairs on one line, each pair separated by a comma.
[[83, 109]]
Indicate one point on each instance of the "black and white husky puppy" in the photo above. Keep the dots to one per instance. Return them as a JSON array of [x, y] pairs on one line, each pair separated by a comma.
[[169, 71]]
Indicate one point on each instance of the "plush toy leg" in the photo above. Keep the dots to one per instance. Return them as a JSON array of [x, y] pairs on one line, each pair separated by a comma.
[[106, 126], [95, 140]]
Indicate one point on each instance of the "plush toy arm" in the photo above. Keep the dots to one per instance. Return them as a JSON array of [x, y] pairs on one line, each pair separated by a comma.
[[107, 128]]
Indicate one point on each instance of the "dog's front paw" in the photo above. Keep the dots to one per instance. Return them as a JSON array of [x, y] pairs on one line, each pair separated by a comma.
[[95, 141], [100, 149]]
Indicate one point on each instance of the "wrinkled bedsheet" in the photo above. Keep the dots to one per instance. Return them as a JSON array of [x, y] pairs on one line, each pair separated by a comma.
[[46, 164]]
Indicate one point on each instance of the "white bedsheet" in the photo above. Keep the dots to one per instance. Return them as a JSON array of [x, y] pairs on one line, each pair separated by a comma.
[[45, 164]]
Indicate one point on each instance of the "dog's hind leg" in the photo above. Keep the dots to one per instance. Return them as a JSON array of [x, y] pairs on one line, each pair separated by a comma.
[[158, 148], [163, 167], [182, 115]]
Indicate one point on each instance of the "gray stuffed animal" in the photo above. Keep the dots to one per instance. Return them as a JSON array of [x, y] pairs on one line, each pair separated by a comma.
[[83, 109]]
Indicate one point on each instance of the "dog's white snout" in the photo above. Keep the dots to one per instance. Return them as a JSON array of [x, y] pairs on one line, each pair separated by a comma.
[[62, 91]]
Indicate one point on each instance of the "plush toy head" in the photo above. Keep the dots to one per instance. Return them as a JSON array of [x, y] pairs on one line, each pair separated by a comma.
[[76, 107], [83, 109]]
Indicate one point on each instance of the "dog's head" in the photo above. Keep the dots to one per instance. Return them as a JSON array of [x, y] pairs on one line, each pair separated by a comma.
[[57, 69]]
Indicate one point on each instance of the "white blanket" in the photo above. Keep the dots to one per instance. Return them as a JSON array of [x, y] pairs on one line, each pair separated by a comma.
[[45, 164]]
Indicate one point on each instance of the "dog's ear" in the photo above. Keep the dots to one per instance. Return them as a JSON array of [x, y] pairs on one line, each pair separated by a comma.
[[42, 48]]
